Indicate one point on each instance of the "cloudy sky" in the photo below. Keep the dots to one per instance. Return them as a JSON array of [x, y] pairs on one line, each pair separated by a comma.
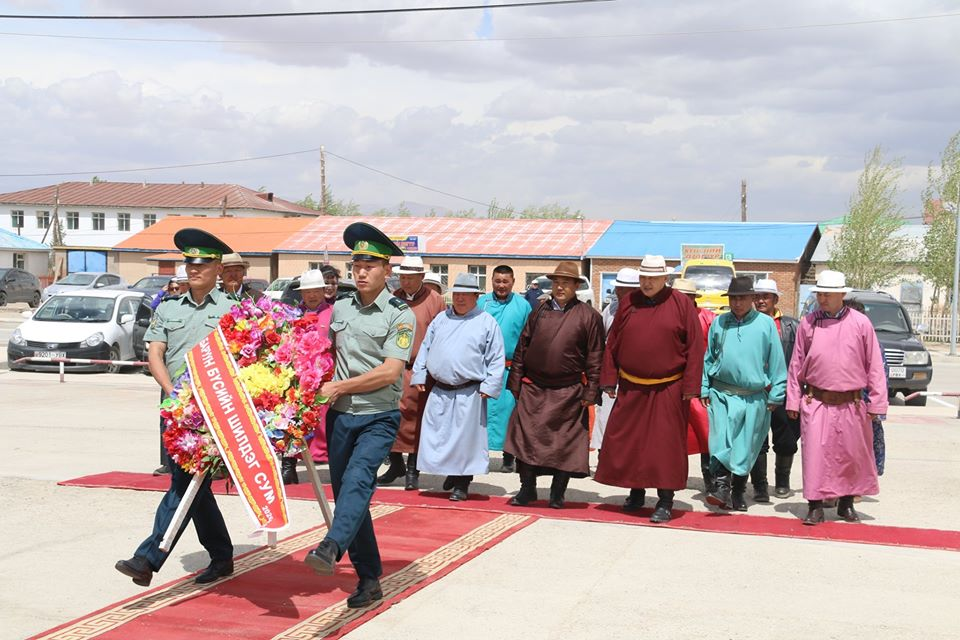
[[525, 105]]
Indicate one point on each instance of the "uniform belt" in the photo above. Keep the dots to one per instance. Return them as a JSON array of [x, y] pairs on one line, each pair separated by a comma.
[[455, 387], [732, 389], [649, 381], [833, 397]]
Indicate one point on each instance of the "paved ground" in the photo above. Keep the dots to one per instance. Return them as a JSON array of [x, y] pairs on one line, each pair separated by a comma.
[[552, 580]]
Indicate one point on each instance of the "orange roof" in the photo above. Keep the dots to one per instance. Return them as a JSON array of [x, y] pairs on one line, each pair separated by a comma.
[[548, 238], [148, 195], [248, 236]]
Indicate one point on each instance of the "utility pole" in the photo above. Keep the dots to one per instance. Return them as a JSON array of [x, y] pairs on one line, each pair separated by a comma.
[[323, 182], [743, 201], [956, 277]]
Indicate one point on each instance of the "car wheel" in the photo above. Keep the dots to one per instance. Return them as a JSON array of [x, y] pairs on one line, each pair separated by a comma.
[[35, 300], [114, 355], [919, 401]]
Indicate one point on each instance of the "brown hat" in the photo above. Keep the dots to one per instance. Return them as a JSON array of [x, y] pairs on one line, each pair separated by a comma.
[[566, 269]]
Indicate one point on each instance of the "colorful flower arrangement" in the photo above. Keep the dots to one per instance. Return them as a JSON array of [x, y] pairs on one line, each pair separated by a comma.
[[284, 357]]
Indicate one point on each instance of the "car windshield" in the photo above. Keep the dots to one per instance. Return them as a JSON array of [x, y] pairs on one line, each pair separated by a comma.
[[151, 282], [709, 278], [887, 317], [78, 279], [76, 309], [278, 284]]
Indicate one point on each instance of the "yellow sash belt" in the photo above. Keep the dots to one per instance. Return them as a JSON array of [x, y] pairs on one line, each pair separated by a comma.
[[648, 381]]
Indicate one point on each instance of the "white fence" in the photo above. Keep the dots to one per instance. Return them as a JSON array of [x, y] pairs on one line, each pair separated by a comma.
[[936, 326]]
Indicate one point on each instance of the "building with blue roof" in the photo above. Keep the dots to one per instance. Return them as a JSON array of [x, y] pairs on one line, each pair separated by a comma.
[[23, 253], [778, 250]]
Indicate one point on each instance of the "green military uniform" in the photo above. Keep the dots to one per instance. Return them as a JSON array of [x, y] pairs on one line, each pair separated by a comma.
[[364, 338], [181, 323]]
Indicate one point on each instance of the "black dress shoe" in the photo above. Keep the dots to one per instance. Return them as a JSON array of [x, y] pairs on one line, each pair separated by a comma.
[[390, 475], [217, 569], [137, 568], [368, 591], [323, 559], [661, 514], [845, 510], [413, 480], [459, 494], [525, 496], [634, 501], [814, 512]]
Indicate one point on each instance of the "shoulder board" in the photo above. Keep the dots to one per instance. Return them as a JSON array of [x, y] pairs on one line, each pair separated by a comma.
[[399, 304], [170, 298]]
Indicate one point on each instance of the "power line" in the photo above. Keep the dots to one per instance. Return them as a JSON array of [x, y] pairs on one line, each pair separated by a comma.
[[611, 36], [301, 14]]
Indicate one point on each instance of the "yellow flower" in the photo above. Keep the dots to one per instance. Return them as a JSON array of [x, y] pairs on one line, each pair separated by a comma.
[[260, 377]]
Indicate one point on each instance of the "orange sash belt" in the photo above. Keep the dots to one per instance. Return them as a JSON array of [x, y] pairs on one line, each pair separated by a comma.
[[649, 381]]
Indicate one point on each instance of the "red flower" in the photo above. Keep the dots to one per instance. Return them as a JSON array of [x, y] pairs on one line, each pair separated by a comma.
[[311, 419], [272, 337]]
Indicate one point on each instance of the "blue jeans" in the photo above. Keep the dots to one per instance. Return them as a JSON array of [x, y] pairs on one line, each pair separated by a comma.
[[207, 520], [357, 445]]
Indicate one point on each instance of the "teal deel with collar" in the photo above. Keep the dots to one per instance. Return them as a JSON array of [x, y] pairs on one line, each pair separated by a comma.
[[365, 336], [181, 323]]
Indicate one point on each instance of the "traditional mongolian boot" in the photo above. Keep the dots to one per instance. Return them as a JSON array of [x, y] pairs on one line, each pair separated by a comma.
[[758, 476], [528, 485], [558, 488], [705, 471], [663, 511], [814, 512], [396, 470], [509, 463], [781, 471], [845, 509], [413, 476], [719, 495], [738, 495], [634, 501], [288, 470]]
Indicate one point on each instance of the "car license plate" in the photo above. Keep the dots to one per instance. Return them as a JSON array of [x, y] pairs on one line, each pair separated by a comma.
[[898, 372], [50, 354]]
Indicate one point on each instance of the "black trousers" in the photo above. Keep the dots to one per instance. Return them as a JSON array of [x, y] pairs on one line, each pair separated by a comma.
[[786, 433]]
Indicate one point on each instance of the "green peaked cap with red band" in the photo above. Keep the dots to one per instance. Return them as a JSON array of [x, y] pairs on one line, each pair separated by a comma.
[[365, 241]]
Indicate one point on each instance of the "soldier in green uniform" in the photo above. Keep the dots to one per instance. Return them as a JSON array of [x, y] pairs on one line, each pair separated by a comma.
[[177, 326], [372, 333]]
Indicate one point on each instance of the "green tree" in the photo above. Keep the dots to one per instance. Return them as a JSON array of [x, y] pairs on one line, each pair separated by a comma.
[[335, 207], [868, 248], [940, 199]]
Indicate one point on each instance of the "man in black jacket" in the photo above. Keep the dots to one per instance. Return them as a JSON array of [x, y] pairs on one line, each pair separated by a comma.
[[786, 432]]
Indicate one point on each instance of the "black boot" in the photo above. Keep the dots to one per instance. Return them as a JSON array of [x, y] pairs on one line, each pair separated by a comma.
[[781, 471], [634, 501], [719, 495], [738, 494], [662, 512], [394, 471], [413, 476], [814, 512], [845, 509], [558, 488], [758, 476], [509, 463], [528, 485], [706, 473], [288, 470]]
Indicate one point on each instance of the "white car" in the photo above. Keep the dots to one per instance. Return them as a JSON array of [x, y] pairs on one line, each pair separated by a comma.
[[82, 280], [90, 324]]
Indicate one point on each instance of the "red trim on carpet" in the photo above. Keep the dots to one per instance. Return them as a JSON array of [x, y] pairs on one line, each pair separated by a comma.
[[743, 524]]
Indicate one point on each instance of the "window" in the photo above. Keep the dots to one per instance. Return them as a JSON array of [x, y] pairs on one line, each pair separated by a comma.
[[43, 219], [442, 270], [149, 219], [19, 261], [73, 220], [312, 266], [123, 222], [755, 275], [480, 270], [99, 221], [16, 219]]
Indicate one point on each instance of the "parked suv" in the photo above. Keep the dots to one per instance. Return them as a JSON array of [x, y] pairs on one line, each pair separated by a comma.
[[17, 285], [909, 363], [84, 280]]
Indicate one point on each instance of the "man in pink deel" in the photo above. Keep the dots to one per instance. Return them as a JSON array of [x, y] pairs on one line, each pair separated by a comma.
[[836, 358]]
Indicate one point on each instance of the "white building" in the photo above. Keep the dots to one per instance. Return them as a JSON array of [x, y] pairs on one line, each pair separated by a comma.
[[96, 216]]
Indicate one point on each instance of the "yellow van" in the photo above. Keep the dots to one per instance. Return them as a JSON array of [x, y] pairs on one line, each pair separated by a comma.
[[712, 278]]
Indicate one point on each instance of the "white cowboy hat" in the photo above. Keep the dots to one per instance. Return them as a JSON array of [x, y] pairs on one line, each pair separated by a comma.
[[627, 277], [466, 283], [312, 279], [434, 278], [234, 260], [411, 266], [831, 282], [767, 285], [685, 285], [653, 266]]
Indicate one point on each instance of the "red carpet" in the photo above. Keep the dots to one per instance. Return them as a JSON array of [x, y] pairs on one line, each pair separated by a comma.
[[591, 512], [273, 594]]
